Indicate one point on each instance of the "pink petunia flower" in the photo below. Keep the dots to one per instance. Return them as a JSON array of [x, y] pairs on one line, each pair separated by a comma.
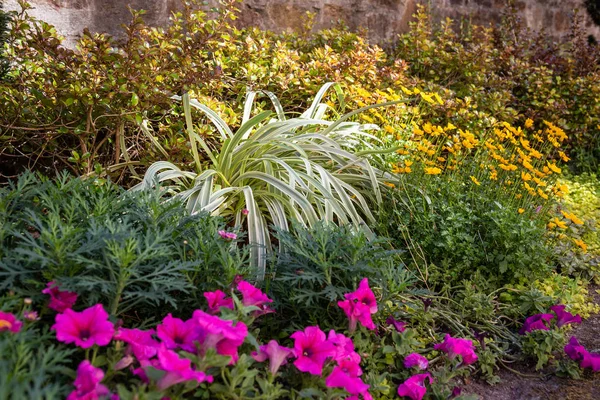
[[312, 349], [346, 376], [398, 325], [227, 235], [59, 300], [8, 322], [177, 369], [87, 384], [86, 328], [591, 360], [252, 296], [276, 354], [220, 334], [536, 322], [344, 347], [574, 350], [140, 342], [416, 360], [216, 300], [359, 305], [31, 315], [458, 347], [564, 317], [414, 387], [178, 334]]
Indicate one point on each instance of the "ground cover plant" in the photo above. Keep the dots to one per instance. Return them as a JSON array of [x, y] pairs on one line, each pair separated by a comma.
[[297, 215]]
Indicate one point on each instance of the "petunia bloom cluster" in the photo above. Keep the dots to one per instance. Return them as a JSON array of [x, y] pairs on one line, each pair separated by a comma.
[[542, 321], [577, 352]]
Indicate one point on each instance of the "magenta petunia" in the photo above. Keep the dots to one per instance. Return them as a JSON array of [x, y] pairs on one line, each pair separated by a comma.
[[216, 300], [564, 317], [416, 360], [312, 349], [178, 334], [536, 322], [59, 300], [344, 347], [574, 350], [140, 342], [398, 325], [87, 384], [458, 347], [359, 306], [414, 387], [253, 296], [177, 369], [220, 334], [227, 235], [8, 322], [591, 361], [86, 328], [346, 376], [276, 354]]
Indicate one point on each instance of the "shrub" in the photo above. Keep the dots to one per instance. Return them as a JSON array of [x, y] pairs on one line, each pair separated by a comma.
[[3, 28], [129, 251]]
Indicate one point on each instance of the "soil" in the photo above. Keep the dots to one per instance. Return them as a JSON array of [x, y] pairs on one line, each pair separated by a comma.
[[547, 387]]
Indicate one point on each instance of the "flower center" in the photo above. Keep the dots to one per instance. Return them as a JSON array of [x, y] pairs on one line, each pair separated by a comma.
[[178, 340], [4, 324], [84, 334], [307, 353]]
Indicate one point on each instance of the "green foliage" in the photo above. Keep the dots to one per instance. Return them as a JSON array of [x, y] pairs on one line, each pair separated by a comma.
[[31, 367], [317, 266], [458, 232], [541, 345], [128, 251], [278, 171]]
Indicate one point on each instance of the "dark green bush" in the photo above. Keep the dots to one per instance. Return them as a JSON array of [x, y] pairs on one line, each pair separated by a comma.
[[3, 30], [129, 251]]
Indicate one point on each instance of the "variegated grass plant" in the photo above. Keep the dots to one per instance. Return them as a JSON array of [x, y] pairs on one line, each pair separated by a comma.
[[279, 169]]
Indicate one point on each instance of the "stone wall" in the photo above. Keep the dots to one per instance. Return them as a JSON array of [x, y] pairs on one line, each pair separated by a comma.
[[383, 19]]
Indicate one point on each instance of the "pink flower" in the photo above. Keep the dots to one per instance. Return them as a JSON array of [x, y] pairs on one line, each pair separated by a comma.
[[227, 235], [564, 317], [359, 306], [176, 333], [536, 322], [398, 325], [416, 360], [252, 296], [8, 322], [86, 328], [177, 369], [87, 384], [245, 211], [414, 387], [59, 301], [312, 349], [276, 354], [124, 362], [574, 350], [591, 360], [140, 342], [346, 375], [458, 347], [31, 315], [216, 300], [219, 334], [344, 347]]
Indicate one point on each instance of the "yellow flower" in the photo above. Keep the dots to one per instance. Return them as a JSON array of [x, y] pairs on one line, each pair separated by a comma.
[[475, 181], [580, 243], [554, 168], [563, 156], [525, 176], [433, 171], [438, 98], [542, 194], [527, 165], [390, 184], [389, 129], [528, 123], [441, 159], [521, 210], [560, 223], [572, 217], [427, 98]]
